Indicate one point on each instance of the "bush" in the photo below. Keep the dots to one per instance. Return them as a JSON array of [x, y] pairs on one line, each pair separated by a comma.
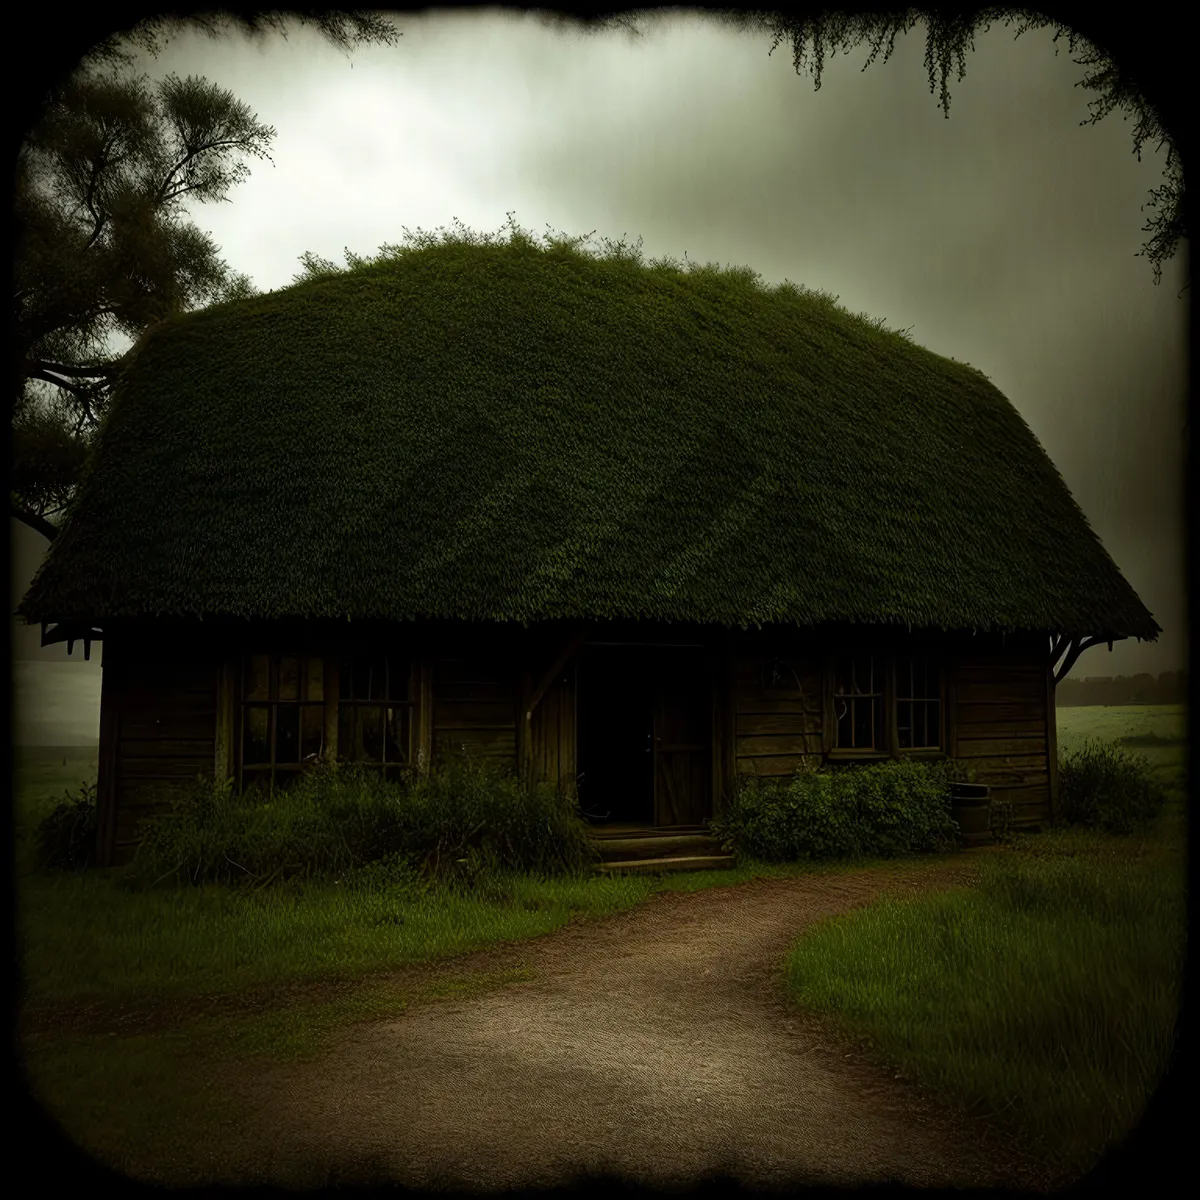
[[1107, 787], [456, 825], [877, 810], [66, 836]]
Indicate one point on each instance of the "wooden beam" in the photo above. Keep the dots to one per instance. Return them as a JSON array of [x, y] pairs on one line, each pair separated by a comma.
[[223, 742], [1052, 744], [106, 777], [425, 717], [1074, 649], [544, 684], [331, 690]]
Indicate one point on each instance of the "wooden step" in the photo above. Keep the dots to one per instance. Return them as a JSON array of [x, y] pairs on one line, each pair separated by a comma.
[[652, 866], [610, 832], [688, 844]]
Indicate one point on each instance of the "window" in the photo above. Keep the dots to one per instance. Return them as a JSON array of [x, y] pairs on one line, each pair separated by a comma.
[[858, 704], [918, 704], [873, 714], [375, 705], [283, 717]]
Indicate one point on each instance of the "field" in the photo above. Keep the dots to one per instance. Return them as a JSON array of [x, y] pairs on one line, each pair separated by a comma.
[[1159, 731]]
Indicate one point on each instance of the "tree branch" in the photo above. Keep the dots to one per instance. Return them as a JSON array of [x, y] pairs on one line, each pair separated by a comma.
[[33, 520], [84, 371]]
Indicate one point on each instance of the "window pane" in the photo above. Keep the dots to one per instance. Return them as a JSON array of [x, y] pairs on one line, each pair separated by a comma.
[[287, 733], [844, 684], [841, 710], [314, 688], [256, 729], [312, 731], [876, 723], [904, 723], [363, 678], [371, 724], [862, 722], [396, 734], [258, 677], [289, 678], [347, 724], [933, 728], [398, 670]]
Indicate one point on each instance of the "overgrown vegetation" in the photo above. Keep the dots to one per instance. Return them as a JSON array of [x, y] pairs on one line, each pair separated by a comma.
[[66, 836], [1044, 999], [1106, 786], [459, 824], [879, 810]]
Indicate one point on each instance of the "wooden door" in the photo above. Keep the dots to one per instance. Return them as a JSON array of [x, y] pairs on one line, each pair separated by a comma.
[[682, 743]]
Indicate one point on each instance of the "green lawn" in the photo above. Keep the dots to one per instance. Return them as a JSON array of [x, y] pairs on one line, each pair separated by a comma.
[[1044, 999]]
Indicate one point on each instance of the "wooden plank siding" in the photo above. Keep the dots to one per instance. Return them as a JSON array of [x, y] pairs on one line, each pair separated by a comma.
[[1001, 712], [775, 725], [160, 726], [475, 709]]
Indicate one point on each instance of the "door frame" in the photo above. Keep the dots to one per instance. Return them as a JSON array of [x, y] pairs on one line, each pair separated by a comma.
[[701, 659]]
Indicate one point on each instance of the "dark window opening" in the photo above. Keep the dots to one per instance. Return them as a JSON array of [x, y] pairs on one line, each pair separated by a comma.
[[375, 712], [918, 704], [858, 704], [282, 718]]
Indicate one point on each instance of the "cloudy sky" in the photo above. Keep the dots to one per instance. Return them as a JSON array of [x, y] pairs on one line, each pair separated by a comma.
[[1004, 237]]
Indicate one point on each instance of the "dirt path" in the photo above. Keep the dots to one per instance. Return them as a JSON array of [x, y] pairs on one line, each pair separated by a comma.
[[653, 1046]]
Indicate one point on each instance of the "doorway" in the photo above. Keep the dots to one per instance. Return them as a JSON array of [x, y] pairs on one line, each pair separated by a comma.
[[644, 736]]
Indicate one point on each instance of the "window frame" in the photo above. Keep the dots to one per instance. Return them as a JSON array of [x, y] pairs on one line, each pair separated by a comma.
[[272, 770], [346, 704], [888, 746]]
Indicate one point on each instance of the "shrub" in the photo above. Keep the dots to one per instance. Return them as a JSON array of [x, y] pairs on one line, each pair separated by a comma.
[[458, 824], [1107, 787], [880, 810], [66, 836]]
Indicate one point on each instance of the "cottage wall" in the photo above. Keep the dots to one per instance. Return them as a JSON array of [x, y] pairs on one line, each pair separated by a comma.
[[778, 720], [158, 731], [999, 714], [1003, 727], [169, 715], [475, 707]]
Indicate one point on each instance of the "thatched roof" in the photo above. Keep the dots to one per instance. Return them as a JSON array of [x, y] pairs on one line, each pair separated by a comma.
[[501, 431]]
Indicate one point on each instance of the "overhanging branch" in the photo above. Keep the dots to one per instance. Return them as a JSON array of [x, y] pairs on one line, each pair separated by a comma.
[[34, 520]]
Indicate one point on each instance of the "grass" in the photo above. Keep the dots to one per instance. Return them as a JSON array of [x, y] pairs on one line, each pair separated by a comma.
[[1082, 927], [1045, 998], [85, 941]]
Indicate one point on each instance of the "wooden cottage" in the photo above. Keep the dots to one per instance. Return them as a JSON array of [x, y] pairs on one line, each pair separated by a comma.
[[630, 526]]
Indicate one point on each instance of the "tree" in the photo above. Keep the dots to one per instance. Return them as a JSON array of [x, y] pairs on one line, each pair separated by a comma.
[[104, 248], [103, 244]]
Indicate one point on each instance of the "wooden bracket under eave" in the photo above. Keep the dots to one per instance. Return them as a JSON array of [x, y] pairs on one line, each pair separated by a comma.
[[572, 647]]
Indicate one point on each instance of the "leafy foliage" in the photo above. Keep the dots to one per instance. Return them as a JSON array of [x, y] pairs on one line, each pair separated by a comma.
[[104, 248], [460, 822], [878, 810], [486, 429], [1108, 787], [66, 837]]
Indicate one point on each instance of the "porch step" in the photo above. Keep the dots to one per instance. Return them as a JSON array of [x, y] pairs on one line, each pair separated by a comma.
[[653, 866], [677, 845]]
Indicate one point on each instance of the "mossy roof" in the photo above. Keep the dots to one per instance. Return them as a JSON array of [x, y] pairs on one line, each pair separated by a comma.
[[504, 431]]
